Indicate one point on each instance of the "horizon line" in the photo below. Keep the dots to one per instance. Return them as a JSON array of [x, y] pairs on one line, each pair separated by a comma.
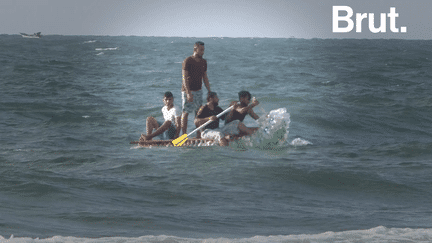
[[246, 37]]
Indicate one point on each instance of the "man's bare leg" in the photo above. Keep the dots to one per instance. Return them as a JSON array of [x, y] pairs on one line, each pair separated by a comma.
[[247, 130], [184, 122], [151, 124], [223, 142], [199, 131]]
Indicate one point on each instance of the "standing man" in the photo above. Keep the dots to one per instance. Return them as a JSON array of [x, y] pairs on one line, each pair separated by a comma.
[[194, 72]]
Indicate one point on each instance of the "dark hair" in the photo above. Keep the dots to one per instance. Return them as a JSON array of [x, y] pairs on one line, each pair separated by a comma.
[[168, 94], [211, 95], [197, 44], [244, 94]]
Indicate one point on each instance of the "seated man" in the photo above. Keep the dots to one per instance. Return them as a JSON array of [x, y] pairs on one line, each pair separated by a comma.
[[240, 110], [212, 130], [171, 115]]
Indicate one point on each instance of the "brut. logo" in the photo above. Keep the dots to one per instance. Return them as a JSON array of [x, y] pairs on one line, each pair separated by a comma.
[[392, 15]]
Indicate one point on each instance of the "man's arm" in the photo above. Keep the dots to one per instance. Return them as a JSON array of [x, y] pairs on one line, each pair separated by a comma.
[[253, 115], [229, 115], [206, 81], [255, 102], [248, 108], [199, 119], [186, 83]]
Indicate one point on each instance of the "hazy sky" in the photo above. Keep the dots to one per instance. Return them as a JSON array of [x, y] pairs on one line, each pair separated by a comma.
[[227, 18]]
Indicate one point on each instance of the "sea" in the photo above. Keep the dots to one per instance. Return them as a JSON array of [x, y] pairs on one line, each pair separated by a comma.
[[352, 161]]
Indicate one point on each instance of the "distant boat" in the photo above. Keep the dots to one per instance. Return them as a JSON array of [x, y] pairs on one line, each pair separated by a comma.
[[35, 35]]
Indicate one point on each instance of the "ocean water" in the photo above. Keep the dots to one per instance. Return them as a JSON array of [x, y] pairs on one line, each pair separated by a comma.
[[354, 165]]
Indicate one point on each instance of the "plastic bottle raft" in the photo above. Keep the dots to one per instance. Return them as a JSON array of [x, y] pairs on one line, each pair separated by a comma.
[[192, 142]]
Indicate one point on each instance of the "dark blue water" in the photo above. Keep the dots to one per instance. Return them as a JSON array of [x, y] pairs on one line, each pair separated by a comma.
[[356, 164]]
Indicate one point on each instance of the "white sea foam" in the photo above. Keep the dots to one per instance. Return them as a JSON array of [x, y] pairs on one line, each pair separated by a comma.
[[91, 41], [300, 142], [106, 49], [379, 234]]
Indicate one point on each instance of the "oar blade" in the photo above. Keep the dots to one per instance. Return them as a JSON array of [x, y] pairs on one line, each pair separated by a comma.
[[180, 140]]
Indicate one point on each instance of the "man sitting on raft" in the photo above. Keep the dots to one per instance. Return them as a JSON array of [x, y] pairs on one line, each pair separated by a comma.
[[212, 130], [166, 130], [241, 109]]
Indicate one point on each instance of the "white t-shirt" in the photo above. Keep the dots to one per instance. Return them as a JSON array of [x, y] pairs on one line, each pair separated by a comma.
[[170, 115]]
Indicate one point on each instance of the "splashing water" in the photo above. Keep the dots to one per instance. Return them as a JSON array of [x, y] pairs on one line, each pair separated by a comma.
[[299, 142], [273, 130]]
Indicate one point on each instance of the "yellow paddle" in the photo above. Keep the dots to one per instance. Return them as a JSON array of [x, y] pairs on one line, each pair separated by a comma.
[[180, 140]]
